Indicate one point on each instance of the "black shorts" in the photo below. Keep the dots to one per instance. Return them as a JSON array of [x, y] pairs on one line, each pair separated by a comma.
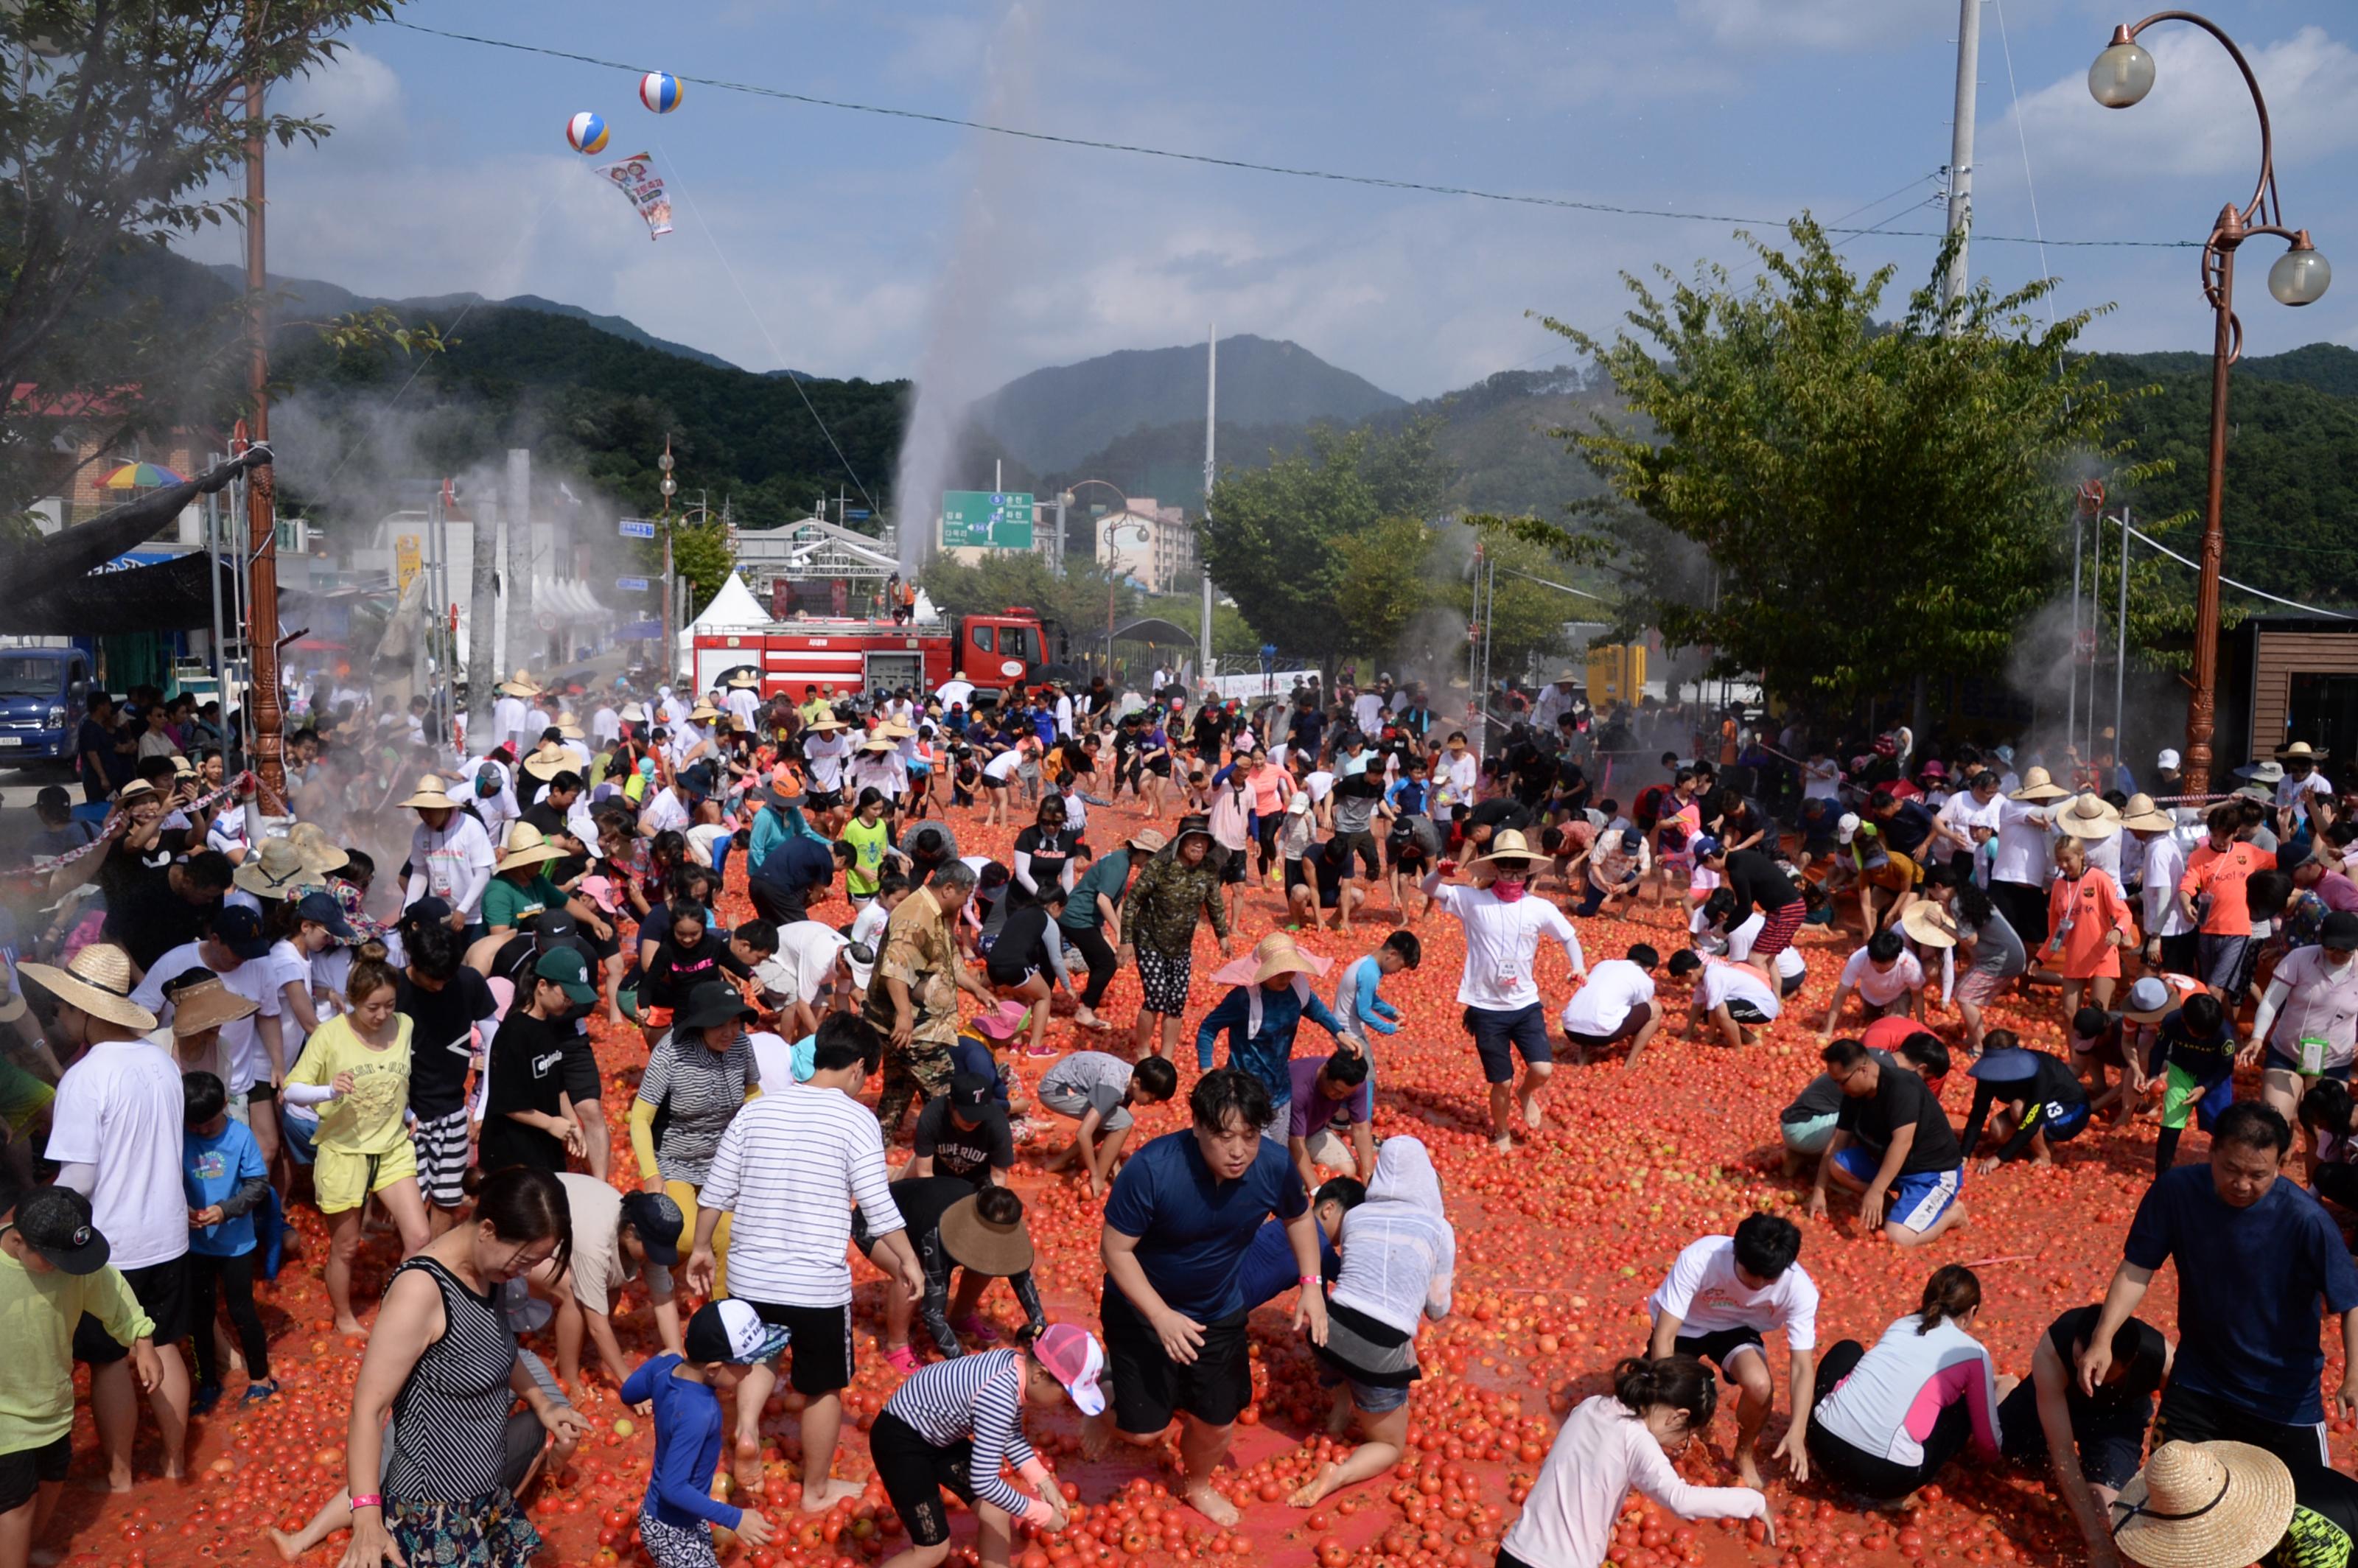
[[1149, 1387], [820, 1349], [2111, 1446], [582, 1082], [25, 1472], [162, 1290], [1498, 1035], [1637, 1017], [2186, 1416], [1232, 869], [1362, 844], [1009, 979], [916, 1473], [1721, 1346], [822, 799], [989, 782]]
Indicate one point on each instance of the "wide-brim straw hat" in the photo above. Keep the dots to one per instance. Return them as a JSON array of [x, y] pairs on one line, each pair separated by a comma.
[[527, 847], [570, 727], [2089, 817], [1927, 926], [703, 713], [2143, 815], [321, 855], [2303, 752], [1146, 840], [876, 743], [97, 980], [207, 1004], [973, 1242], [275, 870], [744, 680], [548, 759], [826, 723], [634, 713], [2037, 785], [520, 686], [2204, 1504], [893, 730], [1273, 956], [1508, 847], [429, 795]]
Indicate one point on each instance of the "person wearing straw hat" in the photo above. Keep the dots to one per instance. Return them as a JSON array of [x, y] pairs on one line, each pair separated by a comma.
[[2020, 864], [2088, 917], [510, 716], [520, 889], [2169, 939], [2038, 1101], [2196, 1505], [2096, 822], [953, 1226], [199, 1007], [2301, 778], [2259, 1262], [1500, 985], [451, 855], [1272, 995], [275, 871], [116, 1128]]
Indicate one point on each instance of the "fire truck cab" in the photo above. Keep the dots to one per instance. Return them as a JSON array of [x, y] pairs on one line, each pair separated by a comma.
[[850, 655]]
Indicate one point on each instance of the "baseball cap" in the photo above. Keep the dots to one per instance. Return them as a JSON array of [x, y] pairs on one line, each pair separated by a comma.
[[657, 1220], [321, 909], [552, 928], [1847, 827], [1705, 846], [239, 929], [2169, 758], [970, 1091], [1074, 1359], [431, 910], [2340, 931], [55, 1223], [569, 971], [1631, 839], [730, 1330]]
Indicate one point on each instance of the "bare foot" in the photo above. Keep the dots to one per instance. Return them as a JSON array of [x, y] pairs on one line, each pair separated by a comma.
[[1748, 1470], [1316, 1487], [1532, 1115], [1205, 1499], [350, 1326], [1504, 1143], [287, 1549], [829, 1492], [746, 1464]]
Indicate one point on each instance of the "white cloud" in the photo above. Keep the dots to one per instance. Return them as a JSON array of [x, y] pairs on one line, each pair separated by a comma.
[[357, 94], [1814, 24], [2198, 120]]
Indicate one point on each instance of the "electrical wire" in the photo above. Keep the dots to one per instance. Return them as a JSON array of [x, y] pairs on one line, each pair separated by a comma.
[[1378, 181], [2137, 532]]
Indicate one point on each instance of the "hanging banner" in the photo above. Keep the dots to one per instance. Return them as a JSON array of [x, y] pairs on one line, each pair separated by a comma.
[[636, 178]]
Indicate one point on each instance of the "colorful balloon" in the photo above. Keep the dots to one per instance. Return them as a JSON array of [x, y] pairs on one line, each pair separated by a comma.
[[659, 91], [586, 132]]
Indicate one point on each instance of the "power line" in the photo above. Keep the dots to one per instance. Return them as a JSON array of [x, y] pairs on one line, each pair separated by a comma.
[[1379, 181]]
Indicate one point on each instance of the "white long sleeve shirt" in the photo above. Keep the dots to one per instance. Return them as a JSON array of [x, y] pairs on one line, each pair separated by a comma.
[[1501, 940], [1599, 1454], [454, 863]]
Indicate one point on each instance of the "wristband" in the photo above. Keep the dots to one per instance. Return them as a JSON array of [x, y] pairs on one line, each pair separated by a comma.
[[1312, 1279], [371, 1501]]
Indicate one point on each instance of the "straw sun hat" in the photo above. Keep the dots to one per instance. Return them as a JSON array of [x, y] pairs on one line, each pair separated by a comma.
[[1927, 926], [2089, 817], [2198, 1505], [207, 1004], [2141, 815], [974, 1242], [429, 796], [1273, 956], [97, 980], [275, 870], [521, 685], [2037, 785], [527, 847], [321, 854], [1507, 849]]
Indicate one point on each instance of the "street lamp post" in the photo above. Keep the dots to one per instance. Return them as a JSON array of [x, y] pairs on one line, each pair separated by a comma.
[[2122, 76]]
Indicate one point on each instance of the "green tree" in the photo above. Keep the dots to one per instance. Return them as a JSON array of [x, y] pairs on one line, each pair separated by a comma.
[[1273, 540], [700, 554], [1871, 501]]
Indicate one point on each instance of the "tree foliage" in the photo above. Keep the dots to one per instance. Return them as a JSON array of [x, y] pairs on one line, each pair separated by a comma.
[[129, 114], [1834, 501]]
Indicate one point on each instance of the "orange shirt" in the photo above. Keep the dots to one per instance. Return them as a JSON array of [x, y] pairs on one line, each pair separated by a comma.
[[2222, 874], [2095, 909], [1270, 786]]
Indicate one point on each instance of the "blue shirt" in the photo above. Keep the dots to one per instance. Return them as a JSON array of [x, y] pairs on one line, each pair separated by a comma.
[[688, 1427], [1270, 1271], [212, 1169], [1264, 1055], [968, 1054], [2249, 1283], [1356, 997], [1193, 1229], [796, 865]]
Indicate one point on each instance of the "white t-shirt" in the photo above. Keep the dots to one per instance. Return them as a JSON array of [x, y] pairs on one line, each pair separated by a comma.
[[1319, 782], [288, 965], [1822, 779], [120, 1109], [1501, 940], [1615, 987], [256, 980], [1703, 1292], [1003, 766], [2025, 847], [745, 703], [664, 813], [773, 1059], [869, 928], [1368, 712], [1882, 987], [1790, 961], [807, 948], [826, 753], [1724, 982]]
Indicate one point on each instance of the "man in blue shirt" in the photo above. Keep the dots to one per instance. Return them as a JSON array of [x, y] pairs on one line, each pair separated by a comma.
[[794, 872], [1269, 1269], [1259, 1018], [2259, 1263], [1181, 1217]]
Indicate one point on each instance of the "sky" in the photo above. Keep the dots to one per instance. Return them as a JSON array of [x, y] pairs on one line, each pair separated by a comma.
[[851, 244]]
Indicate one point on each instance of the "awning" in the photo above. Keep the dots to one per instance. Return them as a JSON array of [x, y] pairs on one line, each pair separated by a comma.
[[567, 599], [1156, 630]]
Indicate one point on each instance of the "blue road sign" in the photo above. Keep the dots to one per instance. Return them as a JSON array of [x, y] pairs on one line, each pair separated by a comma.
[[637, 528]]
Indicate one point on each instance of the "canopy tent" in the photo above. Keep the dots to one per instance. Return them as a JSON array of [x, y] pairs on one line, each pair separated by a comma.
[[567, 599], [56, 586], [1156, 630], [734, 607]]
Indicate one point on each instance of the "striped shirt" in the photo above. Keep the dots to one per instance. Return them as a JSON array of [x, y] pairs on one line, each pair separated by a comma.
[[978, 1397], [698, 1092], [788, 1170]]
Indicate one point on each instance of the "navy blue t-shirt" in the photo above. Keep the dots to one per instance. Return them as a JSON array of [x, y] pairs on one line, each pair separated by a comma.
[[2249, 1283], [1270, 1271], [1194, 1230]]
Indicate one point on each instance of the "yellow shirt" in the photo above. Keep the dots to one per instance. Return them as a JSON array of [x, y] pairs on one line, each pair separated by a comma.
[[38, 1314], [368, 1121]]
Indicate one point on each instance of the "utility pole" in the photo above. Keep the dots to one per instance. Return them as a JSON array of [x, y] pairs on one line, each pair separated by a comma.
[[1961, 154], [518, 508], [670, 488], [1211, 417], [262, 743]]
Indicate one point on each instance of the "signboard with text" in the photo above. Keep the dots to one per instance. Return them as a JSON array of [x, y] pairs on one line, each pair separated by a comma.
[[637, 528], [983, 519]]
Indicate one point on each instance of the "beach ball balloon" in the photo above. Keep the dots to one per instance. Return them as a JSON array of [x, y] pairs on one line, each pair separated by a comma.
[[586, 132], [659, 91]]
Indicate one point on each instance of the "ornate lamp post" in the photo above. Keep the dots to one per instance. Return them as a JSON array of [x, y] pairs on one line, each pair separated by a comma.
[[2121, 77]]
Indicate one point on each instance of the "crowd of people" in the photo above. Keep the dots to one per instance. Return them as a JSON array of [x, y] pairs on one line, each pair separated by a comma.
[[219, 1014]]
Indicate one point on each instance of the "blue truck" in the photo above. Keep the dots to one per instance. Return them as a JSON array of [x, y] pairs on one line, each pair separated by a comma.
[[41, 695]]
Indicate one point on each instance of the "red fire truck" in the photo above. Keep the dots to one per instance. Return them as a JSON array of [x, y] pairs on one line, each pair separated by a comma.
[[850, 655]]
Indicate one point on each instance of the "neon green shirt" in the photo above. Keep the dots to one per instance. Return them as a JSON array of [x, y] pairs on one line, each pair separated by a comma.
[[38, 1314]]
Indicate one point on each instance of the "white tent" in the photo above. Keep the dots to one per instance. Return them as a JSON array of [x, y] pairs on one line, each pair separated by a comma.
[[733, 608]]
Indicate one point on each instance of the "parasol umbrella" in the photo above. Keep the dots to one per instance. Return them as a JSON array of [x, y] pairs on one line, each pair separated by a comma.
[[140, 476]]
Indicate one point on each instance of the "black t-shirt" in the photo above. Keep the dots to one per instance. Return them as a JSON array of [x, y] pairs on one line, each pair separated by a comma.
[[546, 817], [1498, 815], [1901, 1099], [527, 1073], [95, 736], [2138, 1384], [1018, 945], [1049, 852], [1756, 881], [1211, 727], [442, 1038], [968, 1153], [2051, 1083], [674, 970], [143, 914], [1331, 865], [923, 1200]]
